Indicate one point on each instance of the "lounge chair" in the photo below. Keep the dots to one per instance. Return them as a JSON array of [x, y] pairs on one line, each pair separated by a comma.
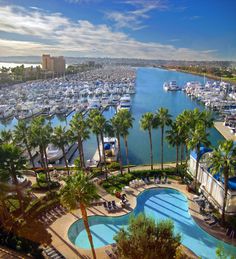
[[114, 205]]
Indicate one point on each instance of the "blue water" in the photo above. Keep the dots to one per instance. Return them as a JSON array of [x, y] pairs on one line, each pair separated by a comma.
[[149, 96], [159, 204]]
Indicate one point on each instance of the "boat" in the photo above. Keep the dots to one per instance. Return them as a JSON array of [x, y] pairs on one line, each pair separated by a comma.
[[111, 149], [125, 103], [171, 86], [111, 152], [54, 153]]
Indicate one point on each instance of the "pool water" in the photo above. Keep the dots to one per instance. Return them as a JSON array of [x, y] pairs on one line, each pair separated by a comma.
[[159, 204]]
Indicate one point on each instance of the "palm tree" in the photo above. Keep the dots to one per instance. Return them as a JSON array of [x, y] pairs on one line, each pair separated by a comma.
[[80, 190], [60, 139], [223, 159], [11, 165], [146, 123], [116, 122], [40, 136], [198, 136], [80, 128], [95, 128], [21, 136], [207, 119], [164, 119], [127, 119], [174, 139], [185, 124]]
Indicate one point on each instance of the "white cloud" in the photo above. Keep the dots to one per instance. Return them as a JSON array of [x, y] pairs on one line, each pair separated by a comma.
[[134, 19], [79, 38]]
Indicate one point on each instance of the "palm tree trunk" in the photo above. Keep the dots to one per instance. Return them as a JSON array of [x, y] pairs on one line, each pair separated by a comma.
[[225, 196], [197, 166], [127, 153], [182, 154], [46, 163], [66, 163], [30, 154], [47, 170], [104, 154], [42, 158], [86, 225], [177, 159], [119, 154], [99, 152], [162, 146], [151, 153], [80, 152], [186, 154]]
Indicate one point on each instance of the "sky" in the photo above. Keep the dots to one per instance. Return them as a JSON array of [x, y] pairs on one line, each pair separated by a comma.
[[146, 29]]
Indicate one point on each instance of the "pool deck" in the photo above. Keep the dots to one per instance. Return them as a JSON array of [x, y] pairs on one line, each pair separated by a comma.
[[59, 228], [224, 130]]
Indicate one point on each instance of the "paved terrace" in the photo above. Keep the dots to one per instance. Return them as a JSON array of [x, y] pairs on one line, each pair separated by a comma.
[[59, 228]]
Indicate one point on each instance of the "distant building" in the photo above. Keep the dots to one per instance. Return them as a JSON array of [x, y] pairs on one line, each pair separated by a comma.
[[56, 65]]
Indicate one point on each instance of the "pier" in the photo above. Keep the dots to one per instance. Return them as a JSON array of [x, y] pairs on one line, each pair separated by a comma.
[[224, 131]]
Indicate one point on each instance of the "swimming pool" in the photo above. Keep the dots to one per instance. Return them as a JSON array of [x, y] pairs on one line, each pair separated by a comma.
[[159, 204]]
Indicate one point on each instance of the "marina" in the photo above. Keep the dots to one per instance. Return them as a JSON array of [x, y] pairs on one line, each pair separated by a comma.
[[149, 96]]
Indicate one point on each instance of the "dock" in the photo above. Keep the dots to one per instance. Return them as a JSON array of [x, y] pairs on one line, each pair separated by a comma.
[[224, 130]]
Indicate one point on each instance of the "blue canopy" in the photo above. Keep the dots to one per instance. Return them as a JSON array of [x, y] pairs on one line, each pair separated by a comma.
[[231, 181], [203, 150], [107, 146]]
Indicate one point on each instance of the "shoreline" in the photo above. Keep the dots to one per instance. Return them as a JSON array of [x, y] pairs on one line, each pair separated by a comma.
[[232, 81]]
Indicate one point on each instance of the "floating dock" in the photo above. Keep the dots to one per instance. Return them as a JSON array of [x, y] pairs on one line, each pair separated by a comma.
[[224, 130]]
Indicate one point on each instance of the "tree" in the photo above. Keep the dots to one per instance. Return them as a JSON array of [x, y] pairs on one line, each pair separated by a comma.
[[60, 139], [164, 119], [6, 136], [116, 122], [127, 119], [146, 123], [21, 136], [80, 190], [80, 129], [174, 139], [145, 238], [198, 136], [95, 128], [223, 160], [11, 165], [40, 136], [184, 124]]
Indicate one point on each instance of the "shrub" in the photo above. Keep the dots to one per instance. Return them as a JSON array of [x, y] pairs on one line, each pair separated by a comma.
[[114, 166], [145, 238]]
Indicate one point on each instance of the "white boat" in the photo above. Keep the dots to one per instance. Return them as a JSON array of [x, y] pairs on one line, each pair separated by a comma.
[[171, 86], [125, 103], [54, 153]]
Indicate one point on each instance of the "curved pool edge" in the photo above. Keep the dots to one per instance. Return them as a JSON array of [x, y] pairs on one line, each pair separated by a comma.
[[147, 188]]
